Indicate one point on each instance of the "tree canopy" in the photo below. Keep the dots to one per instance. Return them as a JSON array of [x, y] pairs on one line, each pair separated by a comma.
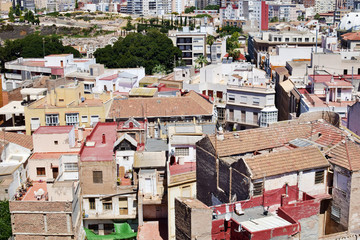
[[148, 50], [32, 47], [5, 220]]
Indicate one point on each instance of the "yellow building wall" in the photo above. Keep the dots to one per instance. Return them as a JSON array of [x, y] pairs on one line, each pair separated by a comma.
[[173, 192], [101, 111]]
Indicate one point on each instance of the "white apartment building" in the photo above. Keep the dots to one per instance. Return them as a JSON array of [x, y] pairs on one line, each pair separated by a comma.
[[324, 6], [193, 44]]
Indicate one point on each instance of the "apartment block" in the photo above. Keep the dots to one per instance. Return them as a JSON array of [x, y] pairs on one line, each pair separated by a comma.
[[67, 105]]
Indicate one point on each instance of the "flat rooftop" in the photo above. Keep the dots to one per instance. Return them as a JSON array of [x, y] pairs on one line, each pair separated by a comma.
[[95, 149], [53, 129], [30, 193]]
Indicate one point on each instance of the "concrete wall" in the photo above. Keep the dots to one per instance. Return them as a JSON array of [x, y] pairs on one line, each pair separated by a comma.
[[354, 118], [58, 142], [125, 159], [174, 192], [341, 193], [108, 169], [38, 220], [354, 221], [192, 221], [46, 163]]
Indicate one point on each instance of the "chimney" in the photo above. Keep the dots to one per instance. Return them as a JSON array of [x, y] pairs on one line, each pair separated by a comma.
[[332, 79], [80, 134], [103, 139]]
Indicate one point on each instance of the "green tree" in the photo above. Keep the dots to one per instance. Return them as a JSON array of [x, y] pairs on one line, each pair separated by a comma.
[[190, 9], [274, 19], [76, 4], [11, 15], [317, 16], [201, 60], [5, 221], [212, 7], [159, 69], [136, 49], [32, 47], [210, 41], [233, 42], [181, 20], [17, 10], [185, 21], [129, 26]]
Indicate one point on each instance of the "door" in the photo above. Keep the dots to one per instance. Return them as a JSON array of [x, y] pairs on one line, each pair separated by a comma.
[[148, 185], [55, 172]]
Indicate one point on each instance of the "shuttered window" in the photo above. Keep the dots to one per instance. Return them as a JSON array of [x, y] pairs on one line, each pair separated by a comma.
[[97, 177], [258, 188], [319, 177]]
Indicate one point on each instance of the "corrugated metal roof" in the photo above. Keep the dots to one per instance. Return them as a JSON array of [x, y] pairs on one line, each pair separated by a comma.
[[299, 142], [142, 91]]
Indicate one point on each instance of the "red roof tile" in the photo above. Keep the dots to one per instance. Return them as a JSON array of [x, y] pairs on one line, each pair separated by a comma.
[[110, 77], [346, 154], [286, 161], [192, 104]]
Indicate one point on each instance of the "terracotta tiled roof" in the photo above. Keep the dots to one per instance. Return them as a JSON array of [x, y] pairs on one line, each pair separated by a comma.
[[190, 105], [346, 154], [251, 140], [353, 36], [286, 161], [258, 139], [20, 139], [329, 135]]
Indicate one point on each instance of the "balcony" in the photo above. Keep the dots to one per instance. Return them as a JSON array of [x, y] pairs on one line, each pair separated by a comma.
[[13, 76]]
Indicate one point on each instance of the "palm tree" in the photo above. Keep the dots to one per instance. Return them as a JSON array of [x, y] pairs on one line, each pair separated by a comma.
[[210, 41], [159, 69], [201, 60]]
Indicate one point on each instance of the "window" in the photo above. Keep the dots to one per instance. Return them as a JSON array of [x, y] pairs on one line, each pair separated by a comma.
[[243, 116], [255, 118], [97, 177], [182, 151], [6, 190], [56, 142], [84, 119], [339, 92], [319, 177], [335, 213], [287, 40], [258, 188], [186, 191], [126, 158], [92, 203], [306, 39], [243, 99], [70, 167], [94, 227], [40, 171], [35, 123], [231, 98], [108, 228], [94, 119], [256, 101], [72, 118], [52, 119], [61, 99], [123, 206], [107, 205], [88, 87], [345, 72]]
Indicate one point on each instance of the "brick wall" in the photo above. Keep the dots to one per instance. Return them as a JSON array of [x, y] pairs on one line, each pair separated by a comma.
[[205, 171], [35, 220], [182, 220]]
